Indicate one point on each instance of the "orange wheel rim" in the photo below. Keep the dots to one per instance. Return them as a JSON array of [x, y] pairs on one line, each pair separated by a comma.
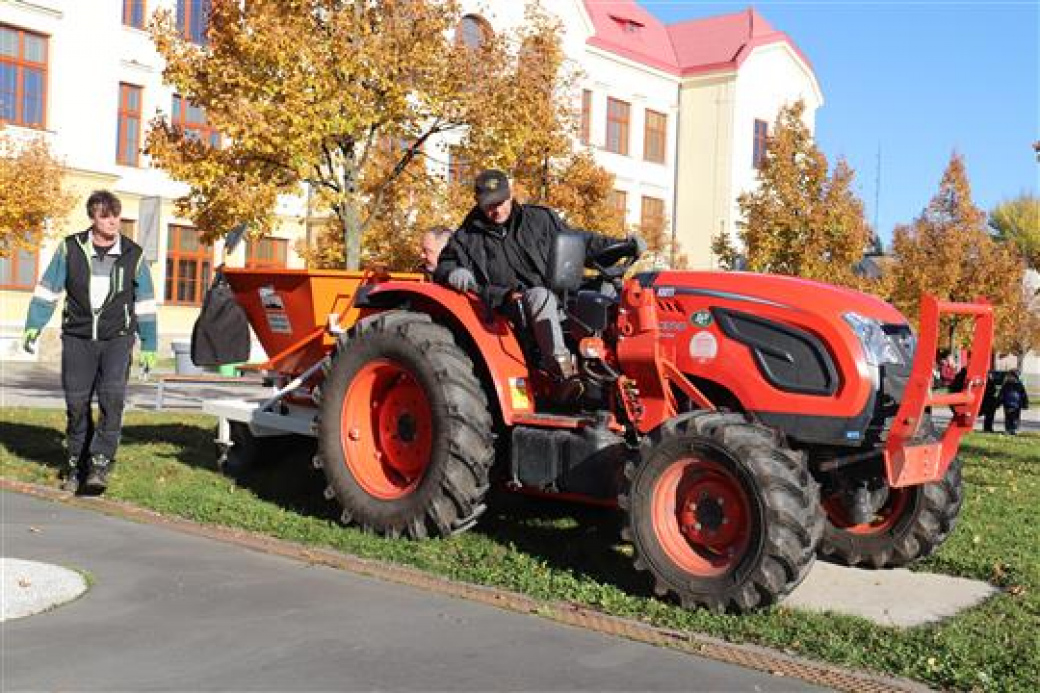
[[885, 519], [386, 430], [700, 515]]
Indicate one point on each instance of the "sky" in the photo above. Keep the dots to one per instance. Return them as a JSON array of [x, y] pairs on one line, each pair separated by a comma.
[[919, 79]]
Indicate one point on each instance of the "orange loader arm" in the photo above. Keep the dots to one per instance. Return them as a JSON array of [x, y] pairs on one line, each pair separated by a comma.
[[909, 463]]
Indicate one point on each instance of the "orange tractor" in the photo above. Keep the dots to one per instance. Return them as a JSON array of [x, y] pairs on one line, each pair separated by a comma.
[[742, 423]]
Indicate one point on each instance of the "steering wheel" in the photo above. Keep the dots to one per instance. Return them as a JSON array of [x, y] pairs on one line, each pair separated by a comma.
[[614, 260]]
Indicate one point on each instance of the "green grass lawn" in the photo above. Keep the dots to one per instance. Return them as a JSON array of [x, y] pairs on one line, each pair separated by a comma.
[[570, 553]]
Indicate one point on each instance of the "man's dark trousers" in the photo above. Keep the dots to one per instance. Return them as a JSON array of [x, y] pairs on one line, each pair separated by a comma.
[[1012, 415], [89, 367], [988, 414]]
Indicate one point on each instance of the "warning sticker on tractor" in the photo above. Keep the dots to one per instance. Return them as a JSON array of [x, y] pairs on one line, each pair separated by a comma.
[[518, 394], [269, 299], [278, 322], [704, 346]]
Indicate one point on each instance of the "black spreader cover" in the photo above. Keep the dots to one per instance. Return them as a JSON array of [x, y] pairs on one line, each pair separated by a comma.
[[221, 332]]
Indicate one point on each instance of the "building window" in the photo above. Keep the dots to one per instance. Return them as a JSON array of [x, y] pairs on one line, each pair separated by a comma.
[[192, 120], [18, 271], [460, 169], [619, 201], [267, 253], [655, 135], [23, 77], [133, 13], [651, 216], [128, 136], [473, 31], [586, 116], [617, 126], [188, 264], [758, 157], [128, 227], [193, 19]]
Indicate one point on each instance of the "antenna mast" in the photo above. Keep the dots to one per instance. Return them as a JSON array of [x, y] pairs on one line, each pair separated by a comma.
[[877, 199]]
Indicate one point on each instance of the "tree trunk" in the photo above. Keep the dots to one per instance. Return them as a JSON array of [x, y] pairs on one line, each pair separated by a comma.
[[351, 237]]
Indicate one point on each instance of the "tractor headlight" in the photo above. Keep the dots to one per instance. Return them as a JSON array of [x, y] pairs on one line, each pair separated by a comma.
[[877, 347]]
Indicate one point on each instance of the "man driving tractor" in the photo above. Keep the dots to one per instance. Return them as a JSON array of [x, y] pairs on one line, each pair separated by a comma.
[[504, 247]]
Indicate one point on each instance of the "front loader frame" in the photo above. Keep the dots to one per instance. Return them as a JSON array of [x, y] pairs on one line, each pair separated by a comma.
[[909, 460]]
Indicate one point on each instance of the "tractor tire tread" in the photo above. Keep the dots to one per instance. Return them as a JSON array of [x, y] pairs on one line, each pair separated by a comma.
[[459, 487], [788, 547]]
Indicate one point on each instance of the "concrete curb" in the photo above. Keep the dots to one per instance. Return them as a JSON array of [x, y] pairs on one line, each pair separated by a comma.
[[754, 657]]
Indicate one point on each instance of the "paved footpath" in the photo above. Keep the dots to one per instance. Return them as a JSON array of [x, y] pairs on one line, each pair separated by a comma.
[[169, 611]]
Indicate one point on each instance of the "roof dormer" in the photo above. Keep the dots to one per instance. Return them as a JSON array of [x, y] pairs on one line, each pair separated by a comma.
[[628, 25]]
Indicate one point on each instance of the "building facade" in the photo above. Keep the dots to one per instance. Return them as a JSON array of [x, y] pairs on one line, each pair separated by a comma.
[[678, 113]]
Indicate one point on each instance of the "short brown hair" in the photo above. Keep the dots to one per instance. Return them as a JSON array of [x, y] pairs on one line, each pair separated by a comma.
[[103, 202]]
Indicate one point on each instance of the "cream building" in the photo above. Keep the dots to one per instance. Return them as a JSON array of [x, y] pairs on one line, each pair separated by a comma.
[[672, 110]]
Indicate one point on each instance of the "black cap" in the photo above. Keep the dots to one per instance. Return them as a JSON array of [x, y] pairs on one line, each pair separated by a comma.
[[492, 187]]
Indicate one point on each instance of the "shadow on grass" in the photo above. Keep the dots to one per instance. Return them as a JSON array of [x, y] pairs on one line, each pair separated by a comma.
[[581, 539], [43, 445], [281, 473], [194, 444]]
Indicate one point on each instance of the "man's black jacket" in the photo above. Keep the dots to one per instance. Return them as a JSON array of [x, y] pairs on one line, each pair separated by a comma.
[[478, 245]]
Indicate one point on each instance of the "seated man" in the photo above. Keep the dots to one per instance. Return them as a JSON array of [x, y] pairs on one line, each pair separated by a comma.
[[502, 247], [430, 246]]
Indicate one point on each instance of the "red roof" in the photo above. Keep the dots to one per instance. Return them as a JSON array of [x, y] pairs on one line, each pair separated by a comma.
[[697, 45], [625, 28]]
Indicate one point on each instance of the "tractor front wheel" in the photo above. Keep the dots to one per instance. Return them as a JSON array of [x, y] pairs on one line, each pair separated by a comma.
[[404, 436], [911, 524], [720, 513]]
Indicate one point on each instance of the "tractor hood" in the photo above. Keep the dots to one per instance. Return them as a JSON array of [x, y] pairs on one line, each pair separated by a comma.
[[774, 290]]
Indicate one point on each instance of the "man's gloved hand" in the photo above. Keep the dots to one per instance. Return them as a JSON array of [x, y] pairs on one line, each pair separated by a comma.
[[148, 360], [29, 338], [639, 243], [462, 280]]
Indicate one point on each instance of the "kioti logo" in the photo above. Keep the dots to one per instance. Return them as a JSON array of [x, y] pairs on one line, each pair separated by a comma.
[[701, 318]]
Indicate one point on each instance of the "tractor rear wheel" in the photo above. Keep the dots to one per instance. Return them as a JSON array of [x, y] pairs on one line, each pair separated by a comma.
[[720, 513], [404, 433], [911, 524]]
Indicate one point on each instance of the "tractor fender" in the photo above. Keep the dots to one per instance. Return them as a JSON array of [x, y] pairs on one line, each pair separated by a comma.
[[491, 342]]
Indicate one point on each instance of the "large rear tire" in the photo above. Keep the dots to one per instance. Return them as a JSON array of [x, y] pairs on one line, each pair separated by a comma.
[[404, 433], [720, 513], [911, 524]]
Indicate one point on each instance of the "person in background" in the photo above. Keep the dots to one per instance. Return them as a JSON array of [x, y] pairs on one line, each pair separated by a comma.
[[430, 246], [109, 298], [958, 382], [1014, 399], [947, 367], [989, 401]]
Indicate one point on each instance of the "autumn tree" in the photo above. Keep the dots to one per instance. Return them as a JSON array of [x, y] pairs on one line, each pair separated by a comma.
[[1018, 221], [947, 252], [528, 130], [32, 192], [303, 94], [800, 220], [1018, 326]]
